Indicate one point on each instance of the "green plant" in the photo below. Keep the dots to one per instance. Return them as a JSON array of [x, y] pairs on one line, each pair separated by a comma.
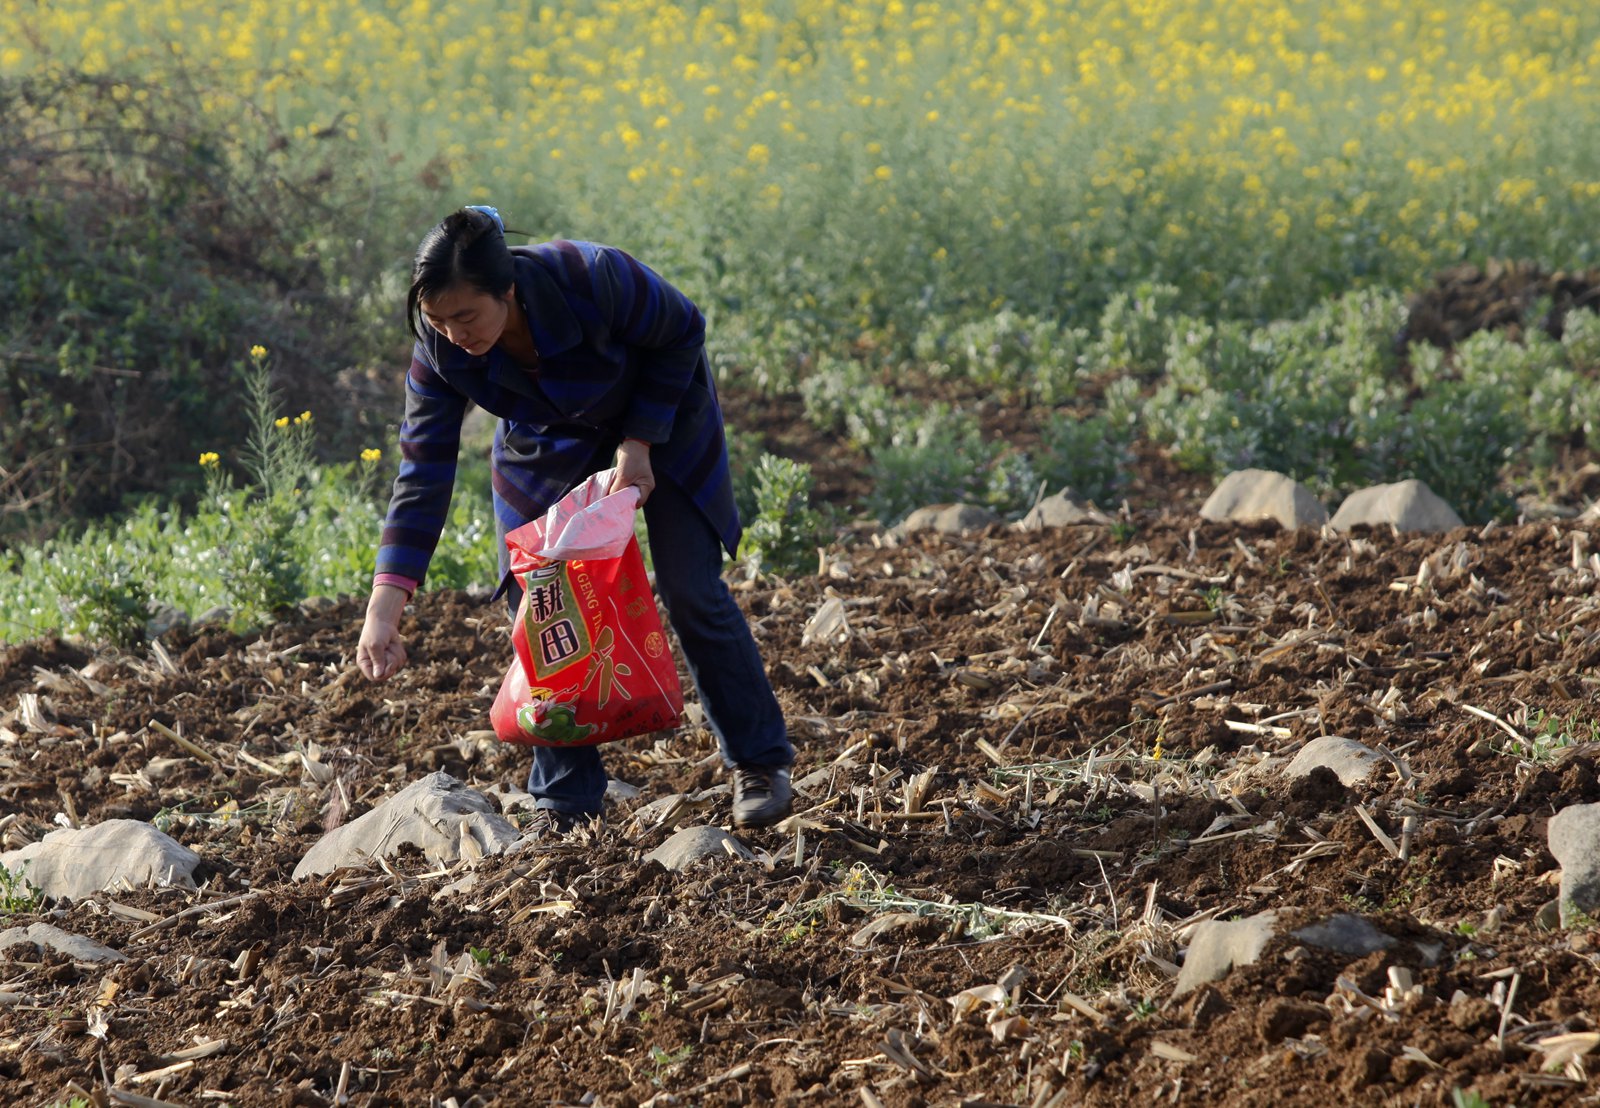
[[666, 1060], [784, 535], [18, 895], [148, 222], [940, 457], [293, 527], [1467, 1099], [1549, 733], [1089, 455]]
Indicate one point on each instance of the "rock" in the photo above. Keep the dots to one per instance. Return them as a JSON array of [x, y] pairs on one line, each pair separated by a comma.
[[438, 815], [1345, 934], [78, 862], [46, 937], [1247, 495], [690, 845], [947, 519], [618, 791], [315, 605], [1574, 835], [1063, 509], [509, 798], [815, 782], [1220, 945], [1407, 505], [220, 616], [1285, 1018], [166, 617], [1353, 762], [675, 809]]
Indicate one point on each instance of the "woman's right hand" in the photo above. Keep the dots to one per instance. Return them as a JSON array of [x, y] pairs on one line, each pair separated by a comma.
[[381, 653]]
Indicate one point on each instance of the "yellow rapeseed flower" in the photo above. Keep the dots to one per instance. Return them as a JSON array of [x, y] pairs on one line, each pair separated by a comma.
[[371, 454], [258, 351], [210, 459], [281, 422]]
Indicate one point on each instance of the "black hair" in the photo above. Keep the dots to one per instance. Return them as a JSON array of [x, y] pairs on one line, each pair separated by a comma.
[[466, 248]]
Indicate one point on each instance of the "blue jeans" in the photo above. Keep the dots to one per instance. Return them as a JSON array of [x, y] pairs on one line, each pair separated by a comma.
[[718, 650]]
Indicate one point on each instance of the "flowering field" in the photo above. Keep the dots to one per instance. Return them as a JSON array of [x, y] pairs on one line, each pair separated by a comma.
[[849, 164]]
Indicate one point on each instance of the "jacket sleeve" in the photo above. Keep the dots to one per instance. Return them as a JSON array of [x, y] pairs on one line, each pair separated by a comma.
[[665, 329], [430, 441]]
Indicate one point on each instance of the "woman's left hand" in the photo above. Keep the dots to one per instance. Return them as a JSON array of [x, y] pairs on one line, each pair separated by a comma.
[[633, 468]]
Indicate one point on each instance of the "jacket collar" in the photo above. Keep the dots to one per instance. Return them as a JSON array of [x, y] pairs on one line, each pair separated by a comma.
[[555, 327]]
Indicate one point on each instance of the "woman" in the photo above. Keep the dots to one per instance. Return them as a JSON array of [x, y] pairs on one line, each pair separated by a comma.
[[590, 360]]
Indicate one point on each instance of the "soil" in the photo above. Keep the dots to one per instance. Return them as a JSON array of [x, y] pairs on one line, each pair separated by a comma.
[[1034, 765], [1020, 685]]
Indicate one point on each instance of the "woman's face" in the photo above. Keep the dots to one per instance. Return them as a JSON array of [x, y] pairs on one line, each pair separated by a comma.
[[470, 319]]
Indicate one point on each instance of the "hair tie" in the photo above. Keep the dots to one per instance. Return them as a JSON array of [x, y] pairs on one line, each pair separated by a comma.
[[492, 213]]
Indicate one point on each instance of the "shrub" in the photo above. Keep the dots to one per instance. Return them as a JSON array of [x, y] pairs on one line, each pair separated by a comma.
[[140, 237], [292, 527], [785, 531], [938, 458], [1007, 352], [1089, 455]]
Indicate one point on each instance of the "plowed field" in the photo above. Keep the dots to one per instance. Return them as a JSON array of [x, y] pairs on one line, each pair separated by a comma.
[[1031, 766]]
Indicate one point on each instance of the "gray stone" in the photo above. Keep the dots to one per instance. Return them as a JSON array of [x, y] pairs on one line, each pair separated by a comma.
[[691, 844], [164, 618], [1345, 934], [947, 519], [1220, 945], [315, 605], [1574, 834], [619, 791], [79, 862], [438, 815], [46, 937], [813, 783], [1064, 509], [677, 808], [1407, 505], [1352, 761], [1253, 494], [218, 615]]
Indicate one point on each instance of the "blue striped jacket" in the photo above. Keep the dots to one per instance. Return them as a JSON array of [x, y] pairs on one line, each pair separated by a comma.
[[621, 355]]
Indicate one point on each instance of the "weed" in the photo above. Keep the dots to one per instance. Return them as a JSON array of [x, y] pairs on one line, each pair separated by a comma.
[[1144, 1008], [1549, 734], [1467, 1099], [18, 895], [484, 956], [665, 1060], [1123, 531]]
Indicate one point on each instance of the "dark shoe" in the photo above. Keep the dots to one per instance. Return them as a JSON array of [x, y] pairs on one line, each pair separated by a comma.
[[761, 795]]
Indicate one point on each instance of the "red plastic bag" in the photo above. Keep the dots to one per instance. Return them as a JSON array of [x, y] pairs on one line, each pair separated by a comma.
[[592, 663]]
